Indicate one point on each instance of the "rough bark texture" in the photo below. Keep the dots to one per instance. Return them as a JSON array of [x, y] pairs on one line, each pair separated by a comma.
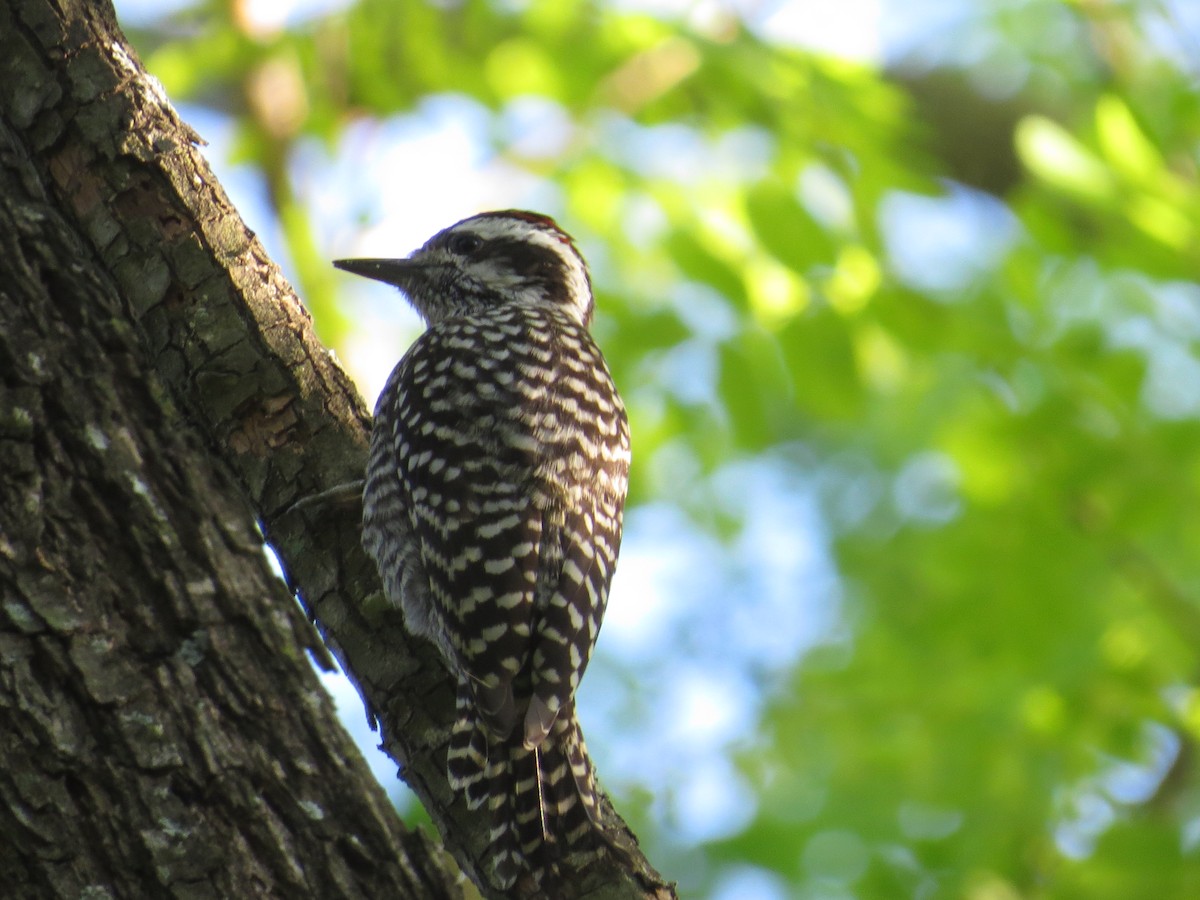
[[162, 732]]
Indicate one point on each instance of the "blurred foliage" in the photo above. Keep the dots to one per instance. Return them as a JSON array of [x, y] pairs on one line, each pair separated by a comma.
[[1001, 446]]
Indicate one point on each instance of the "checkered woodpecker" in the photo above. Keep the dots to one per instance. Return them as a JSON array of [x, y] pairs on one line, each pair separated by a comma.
[[494, 494]]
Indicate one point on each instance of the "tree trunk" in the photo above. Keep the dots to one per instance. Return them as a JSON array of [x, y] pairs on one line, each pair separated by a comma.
[[161, 390]]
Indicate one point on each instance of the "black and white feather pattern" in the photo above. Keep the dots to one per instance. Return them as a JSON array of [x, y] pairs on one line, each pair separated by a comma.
[[493, 506]]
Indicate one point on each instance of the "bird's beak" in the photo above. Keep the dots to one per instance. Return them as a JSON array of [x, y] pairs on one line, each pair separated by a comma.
[[398, 272]]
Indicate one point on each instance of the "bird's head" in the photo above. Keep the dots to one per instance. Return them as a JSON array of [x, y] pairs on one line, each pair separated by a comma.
[[490, 259]]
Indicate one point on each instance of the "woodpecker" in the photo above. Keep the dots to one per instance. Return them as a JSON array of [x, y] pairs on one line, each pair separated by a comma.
[[492, 505]]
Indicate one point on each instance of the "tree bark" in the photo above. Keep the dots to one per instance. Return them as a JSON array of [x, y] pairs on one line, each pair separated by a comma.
[[162, 731]]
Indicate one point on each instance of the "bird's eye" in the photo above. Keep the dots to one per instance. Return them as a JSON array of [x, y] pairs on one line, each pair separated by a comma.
[[464, 244]]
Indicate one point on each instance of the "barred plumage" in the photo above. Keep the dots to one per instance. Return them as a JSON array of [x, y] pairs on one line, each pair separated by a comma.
[[493, 502]]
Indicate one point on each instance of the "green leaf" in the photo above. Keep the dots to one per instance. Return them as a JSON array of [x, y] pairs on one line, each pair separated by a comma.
[[786, 229]]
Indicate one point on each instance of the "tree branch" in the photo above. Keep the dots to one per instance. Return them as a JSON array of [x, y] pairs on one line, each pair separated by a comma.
[[162, 732]]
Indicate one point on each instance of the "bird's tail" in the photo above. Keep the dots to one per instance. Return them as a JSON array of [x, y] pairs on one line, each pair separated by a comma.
[[542, 802]]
